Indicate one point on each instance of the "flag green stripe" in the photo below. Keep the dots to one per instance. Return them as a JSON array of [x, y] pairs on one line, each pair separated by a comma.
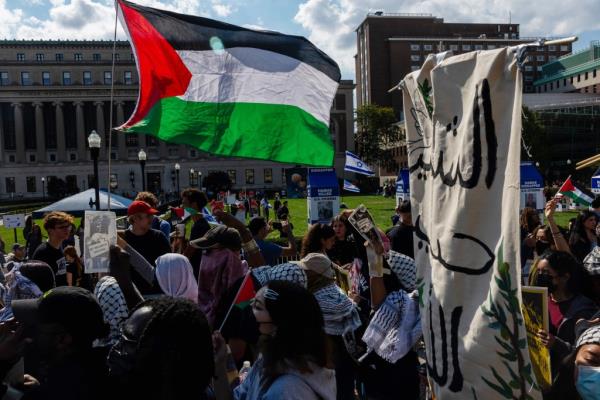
[[276, 132], [575, 197]]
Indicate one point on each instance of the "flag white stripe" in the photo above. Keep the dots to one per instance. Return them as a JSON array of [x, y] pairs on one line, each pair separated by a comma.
[[250, 75]]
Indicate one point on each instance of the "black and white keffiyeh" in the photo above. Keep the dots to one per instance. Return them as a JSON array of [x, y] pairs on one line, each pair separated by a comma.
[[404, 268], [395, 327], [591, 262], [112, 301], [590, 336], [290, 272], [339, 312]]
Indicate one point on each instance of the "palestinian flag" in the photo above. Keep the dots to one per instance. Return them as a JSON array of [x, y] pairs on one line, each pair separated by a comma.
[[229, 90], [577, 195], [246, 292]]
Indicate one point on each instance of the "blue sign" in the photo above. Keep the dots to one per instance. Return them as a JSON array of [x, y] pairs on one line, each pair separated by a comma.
[[530, 176], [403, 181], [595, 185], [322, 182]]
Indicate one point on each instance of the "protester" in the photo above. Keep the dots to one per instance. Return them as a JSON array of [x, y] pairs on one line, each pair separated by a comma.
[[276, 204], [74, 267], [583, 238], [587, 362], [114, 309], [528, 222], [344, 249], [164, 352], [401, 235], [294, 354], [559, 272], [34, 240], [264, 204], [259, 228], [320, 238], [67, 321], [591, 281], [58, 225], [194, 201], [283, 212], [157, 223], [595, 206], [15, 257], [39, 273], [18, 287], [148, 242], [28, 227]]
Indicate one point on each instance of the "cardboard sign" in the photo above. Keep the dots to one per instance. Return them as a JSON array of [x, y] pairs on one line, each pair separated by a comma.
[[99, 234], [535, 315], [14, 221]]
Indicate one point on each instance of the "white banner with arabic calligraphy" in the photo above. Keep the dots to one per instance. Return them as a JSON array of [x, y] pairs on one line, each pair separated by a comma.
[[463, 122]]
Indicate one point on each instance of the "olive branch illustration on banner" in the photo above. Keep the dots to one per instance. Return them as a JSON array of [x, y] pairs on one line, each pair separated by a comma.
[[507, 319]]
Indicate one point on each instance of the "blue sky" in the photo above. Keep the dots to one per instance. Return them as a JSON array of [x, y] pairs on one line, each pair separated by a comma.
[[329, 24]]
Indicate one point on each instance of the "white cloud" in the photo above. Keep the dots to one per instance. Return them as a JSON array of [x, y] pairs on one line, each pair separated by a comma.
[[222, 10], [11, 19], [331, 23]]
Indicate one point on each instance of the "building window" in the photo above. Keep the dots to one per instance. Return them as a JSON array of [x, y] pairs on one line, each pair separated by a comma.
[[551, 85], [565, 82], [107, 77], [564, 48], [96, 57], [545, 87], [20, 56], [127, 78], [557, 84], [39, 57], [250, 177], [415, 47], [415, 57], [113, 155], [593, 73], [528, 78], [578, 77], [11, 158], [586, 76], [540, 58], [32, 158], [52, 157], [466, 47], [454, 47], [232, 175], [539, 68], [491, 46], [268, 175], [414, 67], [193, 153], [116, 56], [78, 57], [87, 77], [427, 47], [73, 156], [25, 79], [551, 48], [3, 78], [46, 79], [528, 68], [10, 185], [478, 47], [551, 58], [66, 78], [193, 178], [59, 56], [571, 78], [31, 186]]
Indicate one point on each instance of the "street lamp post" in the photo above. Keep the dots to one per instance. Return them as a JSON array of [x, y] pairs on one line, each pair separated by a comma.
[[94, 141], [43, 189], [177, 168], [142, 159], [200, 179], [193, 180]]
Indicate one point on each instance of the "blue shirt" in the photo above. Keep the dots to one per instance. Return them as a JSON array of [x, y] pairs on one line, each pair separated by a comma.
[[163, 226], [270, 251]]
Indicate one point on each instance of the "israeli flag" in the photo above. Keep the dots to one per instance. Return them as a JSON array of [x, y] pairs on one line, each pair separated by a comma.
[[350, 187], [209, 217], [354, 164]]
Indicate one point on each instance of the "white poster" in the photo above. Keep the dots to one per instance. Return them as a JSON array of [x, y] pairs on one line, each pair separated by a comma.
[[14, 221], [99, 234], [463, 121]]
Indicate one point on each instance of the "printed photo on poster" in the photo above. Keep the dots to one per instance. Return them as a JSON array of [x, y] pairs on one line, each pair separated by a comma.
[[295, 180], [535, 315], [363, 222], [99, 234], [325, 209]]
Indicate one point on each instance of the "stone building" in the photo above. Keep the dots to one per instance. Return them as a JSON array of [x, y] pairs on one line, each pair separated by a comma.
[[54, 93]]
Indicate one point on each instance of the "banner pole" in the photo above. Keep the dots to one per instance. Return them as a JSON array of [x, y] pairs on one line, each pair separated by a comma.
[[112, 94]]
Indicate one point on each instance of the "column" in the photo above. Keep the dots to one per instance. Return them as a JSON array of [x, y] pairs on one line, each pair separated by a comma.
[[122, 146], [40, 140], [100, 128], [19, 132], [81, 136], [61, 147]]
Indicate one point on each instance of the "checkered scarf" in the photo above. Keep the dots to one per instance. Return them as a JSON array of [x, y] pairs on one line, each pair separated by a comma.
[[404, 268], [590, 336], [339, 312], [591, 262], [112, 301], [290, 272]]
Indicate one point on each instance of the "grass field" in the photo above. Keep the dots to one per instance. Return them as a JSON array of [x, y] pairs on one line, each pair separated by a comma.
[[381, 209]]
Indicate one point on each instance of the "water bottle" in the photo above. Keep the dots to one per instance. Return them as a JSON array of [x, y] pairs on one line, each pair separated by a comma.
[[244, 371]]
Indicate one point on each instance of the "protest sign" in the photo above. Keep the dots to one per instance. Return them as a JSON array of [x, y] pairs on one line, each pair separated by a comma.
[[535, 314], [14, 221], [99, 234], [323, 199], [463, 129], [362, 221]]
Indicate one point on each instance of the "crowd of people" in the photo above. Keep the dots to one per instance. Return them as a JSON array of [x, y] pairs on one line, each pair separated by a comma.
[[225, 313]]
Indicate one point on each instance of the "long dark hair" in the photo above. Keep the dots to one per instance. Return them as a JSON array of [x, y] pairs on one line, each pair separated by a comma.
[[312, 240], [528, 219], [564, 263], [579, 234], [299, 337], [343, 220]]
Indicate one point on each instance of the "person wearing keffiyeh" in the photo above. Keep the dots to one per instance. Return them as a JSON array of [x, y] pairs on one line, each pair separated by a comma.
[[114, 308]]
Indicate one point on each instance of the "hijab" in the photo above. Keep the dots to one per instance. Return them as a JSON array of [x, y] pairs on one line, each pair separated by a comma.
[[175, 276]]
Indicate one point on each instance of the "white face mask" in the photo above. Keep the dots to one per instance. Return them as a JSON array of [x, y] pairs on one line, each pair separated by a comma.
[[588, 382]]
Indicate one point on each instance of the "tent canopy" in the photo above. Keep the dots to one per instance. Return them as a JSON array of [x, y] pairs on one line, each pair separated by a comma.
[[77, 204]]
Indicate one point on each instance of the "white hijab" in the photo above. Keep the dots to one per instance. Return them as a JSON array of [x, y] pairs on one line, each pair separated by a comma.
[[176, 277]]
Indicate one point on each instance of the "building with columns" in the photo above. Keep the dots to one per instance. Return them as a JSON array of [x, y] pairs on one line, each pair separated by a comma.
[[54, 93]]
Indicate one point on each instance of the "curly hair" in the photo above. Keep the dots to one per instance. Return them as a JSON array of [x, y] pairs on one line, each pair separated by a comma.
[[564, 263], [578, 233], [300, 336], [311, 243], [175, 350], [56, 217], [529, 219]]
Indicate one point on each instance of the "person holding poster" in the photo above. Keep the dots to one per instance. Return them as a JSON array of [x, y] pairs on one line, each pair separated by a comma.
[[535, 315]]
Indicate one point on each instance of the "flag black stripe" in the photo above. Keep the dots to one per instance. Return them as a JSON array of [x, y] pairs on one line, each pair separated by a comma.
[[188, 32]]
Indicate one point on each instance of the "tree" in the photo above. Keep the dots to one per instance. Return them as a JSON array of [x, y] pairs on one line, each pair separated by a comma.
[[217, 181], [377, 135], [536, 145]]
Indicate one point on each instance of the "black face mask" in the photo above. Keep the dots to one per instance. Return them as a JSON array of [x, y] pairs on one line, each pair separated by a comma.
[[541, 247], [545, 280]]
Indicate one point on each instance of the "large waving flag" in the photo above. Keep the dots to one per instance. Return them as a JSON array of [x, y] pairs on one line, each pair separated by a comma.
[[350, 187], [577, 195], [229, 90], [355, 164]]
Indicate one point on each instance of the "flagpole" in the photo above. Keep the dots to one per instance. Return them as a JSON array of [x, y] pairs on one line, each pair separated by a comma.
[[234, 299], [112, 92], [561, 186]]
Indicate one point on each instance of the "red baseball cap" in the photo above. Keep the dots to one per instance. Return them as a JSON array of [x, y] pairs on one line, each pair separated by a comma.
[[142, 207]]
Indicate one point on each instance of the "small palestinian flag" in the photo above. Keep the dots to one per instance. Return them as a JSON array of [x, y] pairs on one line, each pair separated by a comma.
[[229, 90], [246, 292], [577, 195]]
